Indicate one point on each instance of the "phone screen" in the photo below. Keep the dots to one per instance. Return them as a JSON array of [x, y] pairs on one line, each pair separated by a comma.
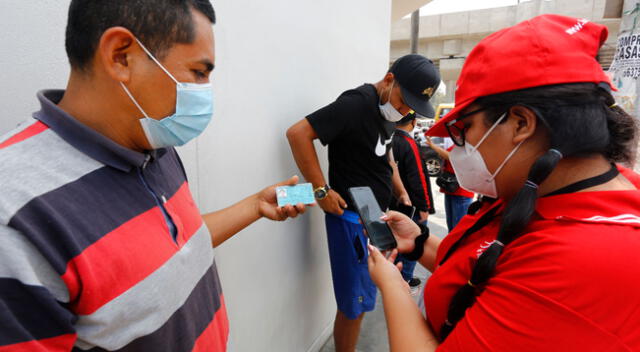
[[370, 213]]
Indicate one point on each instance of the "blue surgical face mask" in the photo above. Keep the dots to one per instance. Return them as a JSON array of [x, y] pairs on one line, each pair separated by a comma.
[[194, 108]]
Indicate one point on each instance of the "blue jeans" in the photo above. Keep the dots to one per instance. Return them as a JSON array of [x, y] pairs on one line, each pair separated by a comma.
[[407, 267], [455, 207]]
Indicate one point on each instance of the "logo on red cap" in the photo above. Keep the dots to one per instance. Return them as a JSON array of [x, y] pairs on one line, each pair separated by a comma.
[[577, 27]]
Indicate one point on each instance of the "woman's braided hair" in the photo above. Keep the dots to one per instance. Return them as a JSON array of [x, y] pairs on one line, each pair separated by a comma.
[[581, 119]]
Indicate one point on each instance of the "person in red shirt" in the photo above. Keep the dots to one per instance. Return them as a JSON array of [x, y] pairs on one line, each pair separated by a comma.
[[456, 203], [552, 264]]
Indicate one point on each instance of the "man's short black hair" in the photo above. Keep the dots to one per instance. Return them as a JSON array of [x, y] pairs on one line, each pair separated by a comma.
[[159, 24]]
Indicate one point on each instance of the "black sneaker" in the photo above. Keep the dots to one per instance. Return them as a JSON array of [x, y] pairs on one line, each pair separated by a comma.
[[414, 282]]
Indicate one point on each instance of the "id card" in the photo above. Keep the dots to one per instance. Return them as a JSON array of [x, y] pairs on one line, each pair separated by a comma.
[[301, 193]]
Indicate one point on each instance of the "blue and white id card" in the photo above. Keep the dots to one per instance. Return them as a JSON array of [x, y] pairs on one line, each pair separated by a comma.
[[301, 193]]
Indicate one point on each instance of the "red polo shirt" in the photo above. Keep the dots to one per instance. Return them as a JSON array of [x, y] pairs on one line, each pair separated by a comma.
[[570, 283]]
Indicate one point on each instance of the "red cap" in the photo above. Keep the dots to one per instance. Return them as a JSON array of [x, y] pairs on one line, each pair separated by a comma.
[[545, 50]]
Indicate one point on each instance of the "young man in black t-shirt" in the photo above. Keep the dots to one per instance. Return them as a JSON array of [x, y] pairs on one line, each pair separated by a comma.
[[358, 128]]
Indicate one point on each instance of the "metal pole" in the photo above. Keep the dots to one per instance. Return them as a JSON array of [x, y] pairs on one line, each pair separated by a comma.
[[415, 29]]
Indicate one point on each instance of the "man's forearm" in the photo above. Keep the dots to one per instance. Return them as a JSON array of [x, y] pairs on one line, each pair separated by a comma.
[[225, 223], [443, 153], [304, 153]]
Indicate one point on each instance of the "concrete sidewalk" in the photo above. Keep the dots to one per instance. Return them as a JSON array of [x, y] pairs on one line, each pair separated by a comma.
[[373, 336]]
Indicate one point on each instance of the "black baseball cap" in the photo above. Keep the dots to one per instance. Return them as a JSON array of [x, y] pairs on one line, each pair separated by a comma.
[[419, 79]]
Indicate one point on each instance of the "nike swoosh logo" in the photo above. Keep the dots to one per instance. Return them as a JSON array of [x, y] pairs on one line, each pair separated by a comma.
[[381, 148]]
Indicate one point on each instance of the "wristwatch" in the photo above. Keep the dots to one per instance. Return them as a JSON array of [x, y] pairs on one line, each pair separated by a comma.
[[321, 193]]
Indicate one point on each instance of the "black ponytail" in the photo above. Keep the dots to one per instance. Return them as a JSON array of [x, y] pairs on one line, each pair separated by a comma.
[[623, 127], [580, 120]]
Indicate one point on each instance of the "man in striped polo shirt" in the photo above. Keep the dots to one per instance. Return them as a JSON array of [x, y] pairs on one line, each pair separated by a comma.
[[102, 247]]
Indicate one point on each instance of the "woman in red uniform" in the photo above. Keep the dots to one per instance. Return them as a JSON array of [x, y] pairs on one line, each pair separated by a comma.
[[554, 263]]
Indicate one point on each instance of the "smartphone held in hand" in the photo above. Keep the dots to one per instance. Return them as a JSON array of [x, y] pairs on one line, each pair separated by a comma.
[[367, 207], [408, 210]]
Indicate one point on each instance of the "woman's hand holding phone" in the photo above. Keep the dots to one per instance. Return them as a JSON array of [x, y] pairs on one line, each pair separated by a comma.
[[384, 273], [404, 230]]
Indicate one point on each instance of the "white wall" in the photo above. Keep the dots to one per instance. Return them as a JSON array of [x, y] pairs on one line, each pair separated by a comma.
[[276, 62], [32, 55]]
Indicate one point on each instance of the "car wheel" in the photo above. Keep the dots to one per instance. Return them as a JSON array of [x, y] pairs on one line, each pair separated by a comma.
[[434, 166]]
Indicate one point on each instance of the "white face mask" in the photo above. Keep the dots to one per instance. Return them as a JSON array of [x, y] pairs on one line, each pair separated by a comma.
[[471, 170], [388, 111]]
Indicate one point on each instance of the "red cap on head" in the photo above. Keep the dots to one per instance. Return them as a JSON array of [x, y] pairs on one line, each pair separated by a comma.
[[545, 50]]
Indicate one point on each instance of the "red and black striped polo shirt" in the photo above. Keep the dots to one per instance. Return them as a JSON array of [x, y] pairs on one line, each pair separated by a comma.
[[101, 248]]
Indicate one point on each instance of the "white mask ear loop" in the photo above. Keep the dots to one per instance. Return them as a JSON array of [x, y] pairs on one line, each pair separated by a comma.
[[389, 98], [135, 102], [505, 161], [508, 156], [156, 61], [490, 130]]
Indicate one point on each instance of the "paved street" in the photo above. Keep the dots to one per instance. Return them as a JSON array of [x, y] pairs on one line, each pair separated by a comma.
[[373, 337]]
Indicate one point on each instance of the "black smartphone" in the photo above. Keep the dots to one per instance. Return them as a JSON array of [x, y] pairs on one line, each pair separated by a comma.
[[408, 210], [367, 207]]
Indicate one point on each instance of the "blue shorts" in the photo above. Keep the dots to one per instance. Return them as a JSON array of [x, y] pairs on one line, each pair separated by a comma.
[[355, 292]]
